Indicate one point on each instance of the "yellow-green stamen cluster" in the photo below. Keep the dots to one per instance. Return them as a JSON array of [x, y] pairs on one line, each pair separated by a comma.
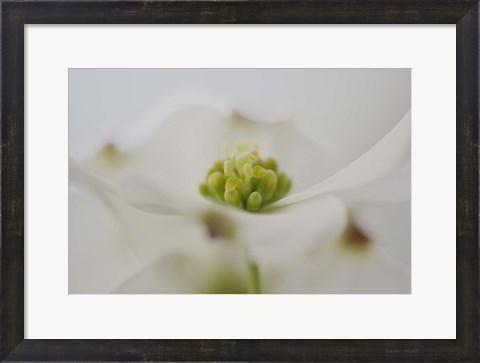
[[246, 181]]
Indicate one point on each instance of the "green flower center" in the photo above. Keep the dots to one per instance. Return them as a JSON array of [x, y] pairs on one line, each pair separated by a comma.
[[244, 180]]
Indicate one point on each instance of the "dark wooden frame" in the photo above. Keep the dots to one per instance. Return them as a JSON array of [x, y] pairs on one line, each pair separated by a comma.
[[15, 14]]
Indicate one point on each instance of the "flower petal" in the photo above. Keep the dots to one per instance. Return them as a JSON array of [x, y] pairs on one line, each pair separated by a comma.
[[98, 257], [386, 156], [394, 187], [334, 270], [156, 192], [377, 263], [300, 227], [389, 226], [109, 240], [79, 176], [380, 273], [211, 268]]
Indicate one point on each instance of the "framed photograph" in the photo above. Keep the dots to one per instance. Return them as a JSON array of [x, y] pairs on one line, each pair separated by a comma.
[[239, 190], [239, 180]]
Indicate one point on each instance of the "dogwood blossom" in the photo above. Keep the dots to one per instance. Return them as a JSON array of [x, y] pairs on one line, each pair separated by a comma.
[[140, 224]]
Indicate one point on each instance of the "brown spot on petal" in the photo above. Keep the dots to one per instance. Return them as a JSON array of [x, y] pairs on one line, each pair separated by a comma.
[[112, 156], [218, 225], [355, 237]]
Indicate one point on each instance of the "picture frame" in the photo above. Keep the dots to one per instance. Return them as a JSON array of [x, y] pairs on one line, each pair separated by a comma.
[[16, 14]]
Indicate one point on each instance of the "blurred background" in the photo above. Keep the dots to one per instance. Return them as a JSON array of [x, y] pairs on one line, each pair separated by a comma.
[[349, 108]]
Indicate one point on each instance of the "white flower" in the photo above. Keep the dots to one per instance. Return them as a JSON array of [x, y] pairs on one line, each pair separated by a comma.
[[145, 228]]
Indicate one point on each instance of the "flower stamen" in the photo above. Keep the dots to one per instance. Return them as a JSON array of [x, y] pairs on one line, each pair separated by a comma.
[[244, 180]]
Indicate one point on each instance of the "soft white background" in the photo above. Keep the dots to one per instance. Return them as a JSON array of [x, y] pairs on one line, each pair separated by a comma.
[[349, 107], [428, 313]]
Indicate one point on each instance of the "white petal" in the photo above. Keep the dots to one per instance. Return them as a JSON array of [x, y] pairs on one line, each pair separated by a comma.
[[157, 192], [381, 274], [389, 225], [98, 257], [394, 187], [335, 270], [110, 240], [386, 156], [150, 235], [269, 238], [173, 274], [383, 266], [79, 176], [209, 268], [277, 234]]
